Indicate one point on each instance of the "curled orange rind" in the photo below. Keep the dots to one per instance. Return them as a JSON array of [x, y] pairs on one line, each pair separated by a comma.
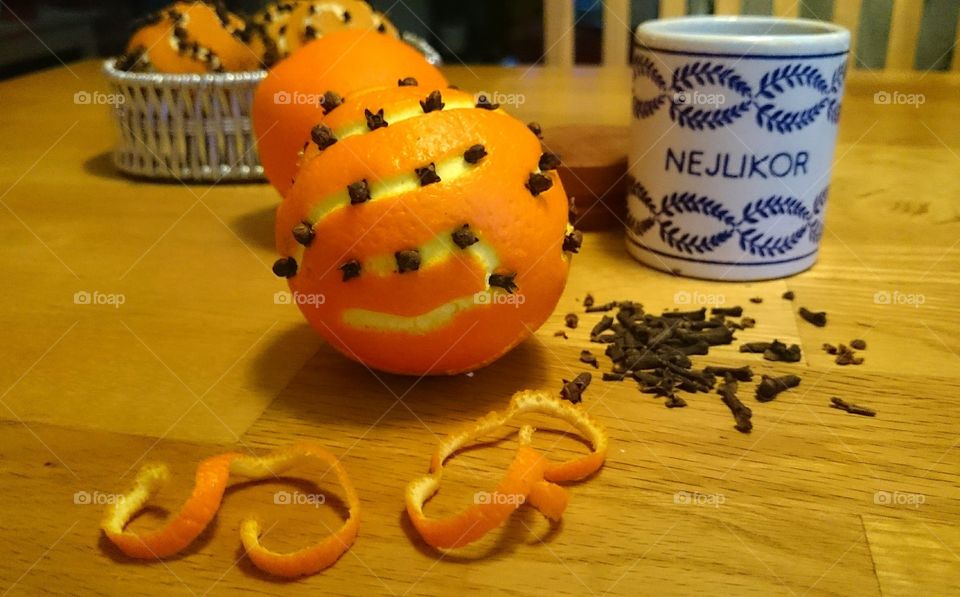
[[202, 505], [530, 477]]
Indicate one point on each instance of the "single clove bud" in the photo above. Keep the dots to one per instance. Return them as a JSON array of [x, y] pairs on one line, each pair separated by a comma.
[[818, 319], [463, 237], [504, 281], [350, 269], [744, 373], [741, 412], [769, 387], [375, 120], [285, 267], [571, 320], [433, 102], [474, 154], [851, 408], [407, 82], [573, 390], [538, 183], [323, 136], [407, 261]]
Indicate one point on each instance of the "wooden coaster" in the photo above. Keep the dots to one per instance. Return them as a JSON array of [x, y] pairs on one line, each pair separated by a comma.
[[593, 170]]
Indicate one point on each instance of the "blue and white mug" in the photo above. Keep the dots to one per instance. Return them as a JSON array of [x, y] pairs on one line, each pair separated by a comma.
[[732, 142]]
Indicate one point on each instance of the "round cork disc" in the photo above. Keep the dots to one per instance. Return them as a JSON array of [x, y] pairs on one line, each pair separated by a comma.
[[593, 170]]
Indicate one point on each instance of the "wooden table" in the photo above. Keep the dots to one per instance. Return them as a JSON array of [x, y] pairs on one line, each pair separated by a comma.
[[199, 359]]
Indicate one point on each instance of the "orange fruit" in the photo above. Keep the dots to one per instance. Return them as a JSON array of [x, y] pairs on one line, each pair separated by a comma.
[[424, 234], [193, 37], [280, 28], [289, 102]]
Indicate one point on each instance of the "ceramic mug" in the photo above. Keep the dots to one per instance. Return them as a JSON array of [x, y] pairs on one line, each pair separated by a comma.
[[732, 141]]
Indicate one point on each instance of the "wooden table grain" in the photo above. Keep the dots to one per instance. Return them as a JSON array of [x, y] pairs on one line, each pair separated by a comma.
[[198, 358]]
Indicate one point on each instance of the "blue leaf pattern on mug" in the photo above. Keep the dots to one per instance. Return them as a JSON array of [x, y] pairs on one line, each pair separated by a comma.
[[766, 100], [748, 226]]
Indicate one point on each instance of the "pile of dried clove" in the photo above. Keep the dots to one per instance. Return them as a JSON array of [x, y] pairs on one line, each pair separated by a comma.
[[655, 351]]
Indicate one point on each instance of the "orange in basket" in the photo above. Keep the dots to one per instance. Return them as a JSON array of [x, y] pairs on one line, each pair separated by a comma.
[[427, 232], [192, 37], [300, 89]]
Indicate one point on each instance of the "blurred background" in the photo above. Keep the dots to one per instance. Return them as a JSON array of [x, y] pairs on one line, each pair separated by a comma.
[[471, 31]]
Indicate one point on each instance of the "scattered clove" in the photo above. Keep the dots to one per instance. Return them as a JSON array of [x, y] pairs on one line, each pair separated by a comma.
[[851, 408], [535, 129], [573, 390], [818, 319], [727, 311], [744, 373], [605, 323], [560, 334], [571, 320], [858, 344], [830, 348], [407, 82], [588, 300], [788, 295], [769, 387], [594, 308], [588, 357], [756, 300], [741, 412]]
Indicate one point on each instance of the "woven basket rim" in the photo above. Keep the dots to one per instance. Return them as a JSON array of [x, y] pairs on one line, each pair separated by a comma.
[[185, 79]]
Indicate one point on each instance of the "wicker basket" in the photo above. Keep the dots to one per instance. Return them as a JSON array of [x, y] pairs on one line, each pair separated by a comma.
[[193, 127]]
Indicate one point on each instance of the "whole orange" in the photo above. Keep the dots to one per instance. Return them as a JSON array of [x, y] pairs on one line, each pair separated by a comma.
[[298, 90], [425, 234]]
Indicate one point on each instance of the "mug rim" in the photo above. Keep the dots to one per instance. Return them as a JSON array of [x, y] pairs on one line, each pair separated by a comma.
[[735, 35]]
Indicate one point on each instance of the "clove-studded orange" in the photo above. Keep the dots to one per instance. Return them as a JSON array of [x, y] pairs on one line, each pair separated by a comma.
[[426, 232], [191, 37], [300, 89]]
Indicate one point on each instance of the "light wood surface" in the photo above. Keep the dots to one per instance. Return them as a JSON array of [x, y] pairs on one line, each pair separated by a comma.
[[199, 359]]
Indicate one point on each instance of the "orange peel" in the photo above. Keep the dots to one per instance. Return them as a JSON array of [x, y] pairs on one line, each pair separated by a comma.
[[211, 481], [530, 477]]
